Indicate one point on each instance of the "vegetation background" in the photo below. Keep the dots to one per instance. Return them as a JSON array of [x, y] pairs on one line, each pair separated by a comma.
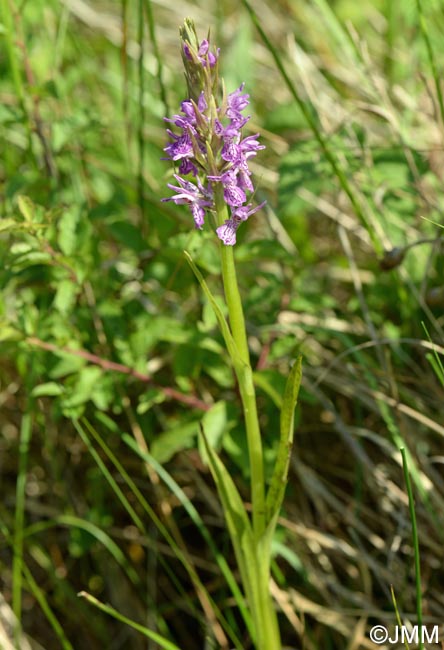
[[111, 358]]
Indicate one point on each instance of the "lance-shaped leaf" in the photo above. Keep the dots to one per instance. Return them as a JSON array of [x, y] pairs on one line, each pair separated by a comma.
[[278, 483], [236, 517], [224, 328]]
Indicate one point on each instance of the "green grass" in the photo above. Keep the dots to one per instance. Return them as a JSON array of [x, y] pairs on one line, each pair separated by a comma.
[[111, 355]]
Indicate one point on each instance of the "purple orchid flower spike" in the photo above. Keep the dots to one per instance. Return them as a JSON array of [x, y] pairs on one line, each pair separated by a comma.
[[209, 147]]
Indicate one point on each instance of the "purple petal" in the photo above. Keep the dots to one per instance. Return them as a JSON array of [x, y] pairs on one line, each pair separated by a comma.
[[188, 108], [187, 167], [186, 51], [234, 195], [242, 213], [181, 148], [202, 102], [198, 214], [250, 144], [231, 152], [237, 101], [203, 48], [245, 180], [227, 232]]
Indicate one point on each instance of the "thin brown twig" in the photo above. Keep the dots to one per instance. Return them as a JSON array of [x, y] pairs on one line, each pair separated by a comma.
[[113, 366]]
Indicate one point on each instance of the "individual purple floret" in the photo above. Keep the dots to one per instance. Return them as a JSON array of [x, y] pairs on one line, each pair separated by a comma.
[[209, 146], [181, 147], [234, 195], [227, 232], [197, 197], [246, 211], [237, 101]]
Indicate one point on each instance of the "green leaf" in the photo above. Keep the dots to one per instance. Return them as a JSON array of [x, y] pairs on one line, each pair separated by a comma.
[[8, 224], [68, 364], [81, 391], [49, 388], [169, 443], [269, 381], [74, 523], [67, 238], [26, 207], [8, 332], [228, 338], [238, 523], [280, 473], [214, 424], [65, 296], [196, 518], [128, 235]]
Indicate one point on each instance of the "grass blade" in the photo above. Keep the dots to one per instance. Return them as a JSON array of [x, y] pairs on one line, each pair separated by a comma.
[[19, 520], [319, 136], [197, 520], [43, 602], [415, 544], [160, 640]]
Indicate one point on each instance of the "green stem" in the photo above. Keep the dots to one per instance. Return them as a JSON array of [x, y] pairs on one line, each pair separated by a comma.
[[264, 614], [244, 376], [231, 289]]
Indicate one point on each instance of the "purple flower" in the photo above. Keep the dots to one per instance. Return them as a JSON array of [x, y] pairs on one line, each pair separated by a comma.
[[246, 211], [232, 131], [250, 145], [197, 197], [227, 232], [244, 180], [188, 121], [198, 215], [182, 147], [234, 195], [231, 152], [187, 167], [236, 151], [237, 101]]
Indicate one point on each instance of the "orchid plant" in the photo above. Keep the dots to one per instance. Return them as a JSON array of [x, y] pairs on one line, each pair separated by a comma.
[[213, 178]]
